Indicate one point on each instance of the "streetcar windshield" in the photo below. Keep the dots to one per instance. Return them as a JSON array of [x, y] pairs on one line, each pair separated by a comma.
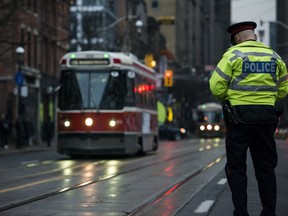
[[209, 116], [92, 90]]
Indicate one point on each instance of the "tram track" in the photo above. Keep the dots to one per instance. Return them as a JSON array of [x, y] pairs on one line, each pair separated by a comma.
[[158, 197], [134, 168]]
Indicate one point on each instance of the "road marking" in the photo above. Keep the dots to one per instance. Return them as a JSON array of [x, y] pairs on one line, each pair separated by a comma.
[[29, 162], [222, 181], [204, 206]]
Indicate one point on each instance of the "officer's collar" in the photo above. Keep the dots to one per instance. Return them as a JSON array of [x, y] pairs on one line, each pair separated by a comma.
[[251, 43]]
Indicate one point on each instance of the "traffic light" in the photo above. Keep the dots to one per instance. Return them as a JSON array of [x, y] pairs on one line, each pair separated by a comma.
[[168, 78], [150, 61]]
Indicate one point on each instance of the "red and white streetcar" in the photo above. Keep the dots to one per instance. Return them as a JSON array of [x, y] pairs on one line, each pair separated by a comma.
[[107, 105]]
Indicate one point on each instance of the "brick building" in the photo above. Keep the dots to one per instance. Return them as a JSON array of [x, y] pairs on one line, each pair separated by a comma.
[[41, 28]]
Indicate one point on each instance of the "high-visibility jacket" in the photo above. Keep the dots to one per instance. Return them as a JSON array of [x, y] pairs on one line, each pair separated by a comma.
[[250, 73]]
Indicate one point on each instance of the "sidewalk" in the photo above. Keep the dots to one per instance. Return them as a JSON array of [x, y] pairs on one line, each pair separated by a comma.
[[221, 196], [38, 147]]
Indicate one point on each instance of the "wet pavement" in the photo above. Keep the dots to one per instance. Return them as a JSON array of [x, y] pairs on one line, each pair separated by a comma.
[[215, 199]]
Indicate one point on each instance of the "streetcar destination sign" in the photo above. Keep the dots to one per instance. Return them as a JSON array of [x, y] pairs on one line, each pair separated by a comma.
[[89, 61]]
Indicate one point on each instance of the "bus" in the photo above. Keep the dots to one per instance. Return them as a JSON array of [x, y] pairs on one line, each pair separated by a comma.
[[210, 121], [106, 105]]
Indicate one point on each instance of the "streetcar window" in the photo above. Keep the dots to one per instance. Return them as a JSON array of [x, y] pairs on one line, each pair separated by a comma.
[[97, 88], [69, 84], [129, 89], [91, 90], [145, 92], [113, 94], [108, 89], [209, 116]]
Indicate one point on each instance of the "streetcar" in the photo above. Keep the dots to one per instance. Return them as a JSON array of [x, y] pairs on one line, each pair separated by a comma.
[[210, 121], [106, 105]]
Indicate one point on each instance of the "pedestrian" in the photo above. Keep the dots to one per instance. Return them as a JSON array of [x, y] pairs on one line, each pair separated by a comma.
[[29, 131], [249, 79], [48, 131], [20, 132], [4, 131]]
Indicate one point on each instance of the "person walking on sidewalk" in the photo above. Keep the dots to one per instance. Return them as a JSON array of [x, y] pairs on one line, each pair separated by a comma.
[[249, 79], [48, 131], [5, 128], [29, 131]]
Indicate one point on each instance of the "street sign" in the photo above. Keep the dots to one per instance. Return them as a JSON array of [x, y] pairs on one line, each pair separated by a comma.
[[24, 91], [19, 78]]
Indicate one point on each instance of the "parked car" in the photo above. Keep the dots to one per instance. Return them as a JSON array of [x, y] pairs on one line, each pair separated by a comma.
[[171, 132]]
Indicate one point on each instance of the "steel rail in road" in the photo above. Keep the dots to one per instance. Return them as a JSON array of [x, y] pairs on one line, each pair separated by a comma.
[[150, 202]]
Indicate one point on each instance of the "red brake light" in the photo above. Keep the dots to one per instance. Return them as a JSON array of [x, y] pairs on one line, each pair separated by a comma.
[[116, 61]]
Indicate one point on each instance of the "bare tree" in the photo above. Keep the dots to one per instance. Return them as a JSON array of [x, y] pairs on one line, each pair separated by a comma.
[[8, 19]]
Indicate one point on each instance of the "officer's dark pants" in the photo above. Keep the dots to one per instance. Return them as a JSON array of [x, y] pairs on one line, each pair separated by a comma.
[[260, 141]]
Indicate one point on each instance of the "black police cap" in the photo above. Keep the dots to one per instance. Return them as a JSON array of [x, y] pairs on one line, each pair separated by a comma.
[[241, 26]]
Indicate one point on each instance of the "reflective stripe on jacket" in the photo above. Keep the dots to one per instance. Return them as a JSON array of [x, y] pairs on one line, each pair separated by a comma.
[[250, 73]]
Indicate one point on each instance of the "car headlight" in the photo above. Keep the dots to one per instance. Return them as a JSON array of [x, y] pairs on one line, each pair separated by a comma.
[[202, 127], [209, 127], [182, 130]]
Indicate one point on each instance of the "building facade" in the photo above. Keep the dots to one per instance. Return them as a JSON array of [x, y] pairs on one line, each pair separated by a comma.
[[282, 29], [201, 32], [164, 11], [41, 28], [108, 25]]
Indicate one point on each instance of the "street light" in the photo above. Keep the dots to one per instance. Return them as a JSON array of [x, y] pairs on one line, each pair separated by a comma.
[[19, 80], [139, 25], [19, 77]]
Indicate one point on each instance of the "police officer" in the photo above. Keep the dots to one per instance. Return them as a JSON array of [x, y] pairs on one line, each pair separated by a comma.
[[250, 78]]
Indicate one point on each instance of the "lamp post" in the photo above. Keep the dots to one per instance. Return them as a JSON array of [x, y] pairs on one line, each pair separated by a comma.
[[19, 77], [139, 25], [19, 80], [126, 47]]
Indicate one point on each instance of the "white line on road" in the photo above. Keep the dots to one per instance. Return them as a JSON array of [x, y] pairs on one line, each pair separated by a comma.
[[29, 162], [204, 206], [222, 181]]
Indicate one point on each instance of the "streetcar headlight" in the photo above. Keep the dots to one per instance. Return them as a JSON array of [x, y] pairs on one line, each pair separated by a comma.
[[209, 127], [202, 127], [216, 127], [67, 123], [88, 122], [112, 123]]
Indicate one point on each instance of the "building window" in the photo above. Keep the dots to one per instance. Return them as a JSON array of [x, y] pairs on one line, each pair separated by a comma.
[[35, 53], [35, 6], [155, 4], [29, 49], [92, 2], [22, 36]]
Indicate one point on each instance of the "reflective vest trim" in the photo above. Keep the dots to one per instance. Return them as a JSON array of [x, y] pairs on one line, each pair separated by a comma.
[[234, 85], [222, 74], [244, 56], [283, 79]]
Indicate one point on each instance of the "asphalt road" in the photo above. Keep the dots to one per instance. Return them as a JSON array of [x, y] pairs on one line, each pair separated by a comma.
[[44, 183], [183, 178]]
